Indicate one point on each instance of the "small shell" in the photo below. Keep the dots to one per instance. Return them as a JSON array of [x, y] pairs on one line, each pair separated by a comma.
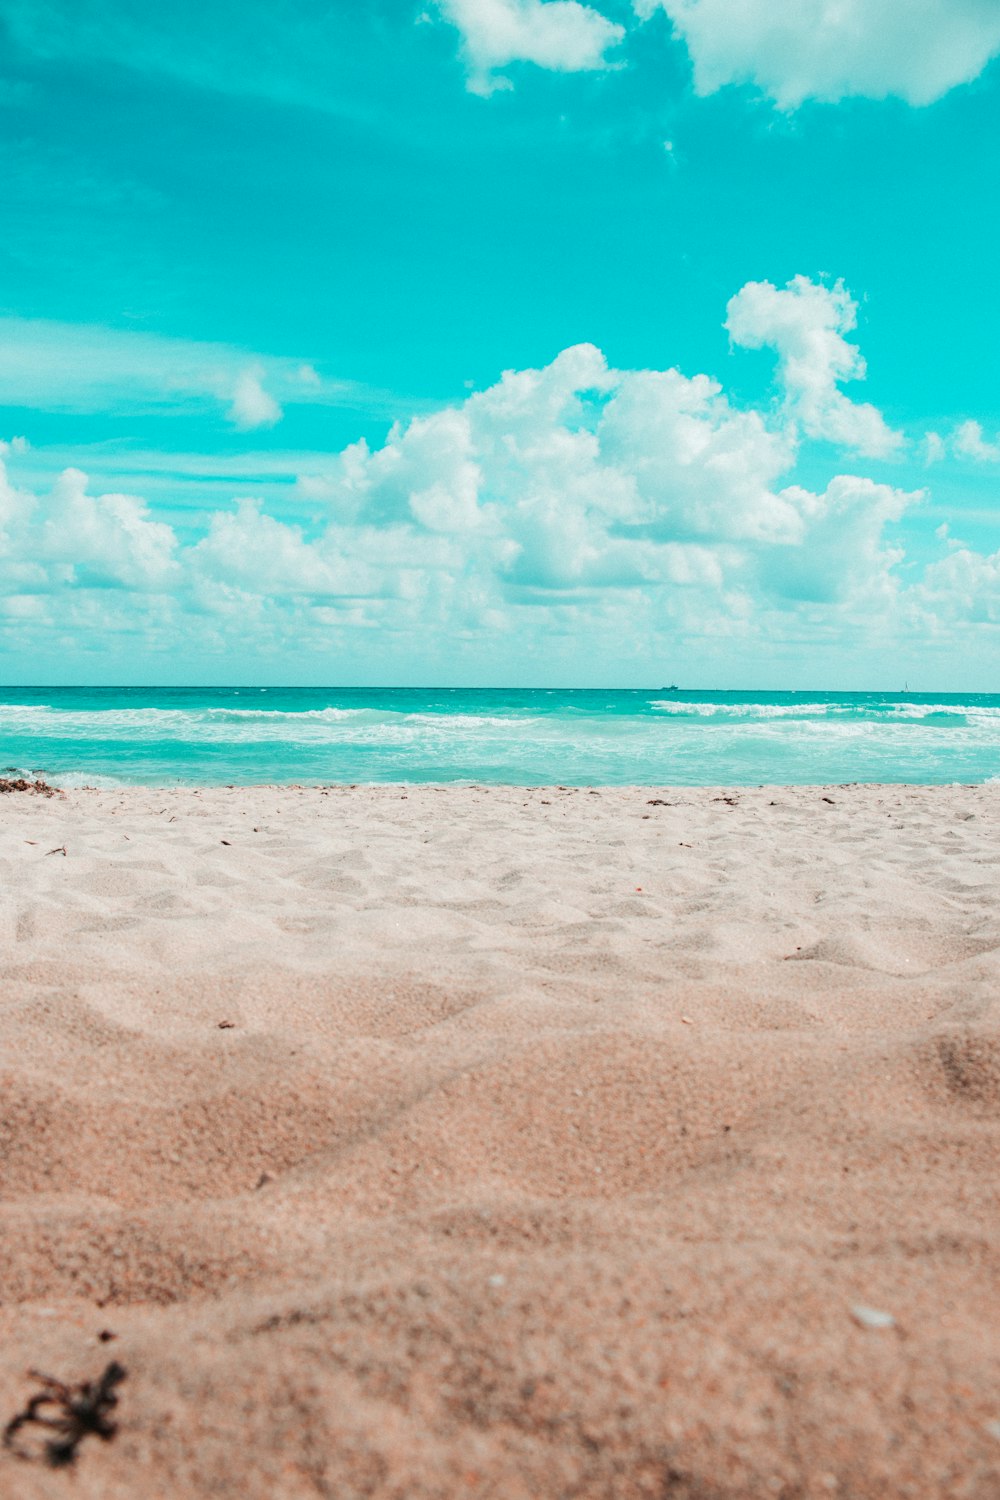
[[870, 1317]]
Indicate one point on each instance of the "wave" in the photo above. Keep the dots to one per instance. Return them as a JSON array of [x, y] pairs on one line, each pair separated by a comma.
[[944, 713], [324, 715], [358, 715], [44, 720], [210, 722], [75, 781], [543, 738]]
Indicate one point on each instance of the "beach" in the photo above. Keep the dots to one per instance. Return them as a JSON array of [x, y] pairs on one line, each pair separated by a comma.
[[420, 1141]]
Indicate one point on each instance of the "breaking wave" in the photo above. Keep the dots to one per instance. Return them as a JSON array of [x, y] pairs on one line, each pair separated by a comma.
[[178, 736]]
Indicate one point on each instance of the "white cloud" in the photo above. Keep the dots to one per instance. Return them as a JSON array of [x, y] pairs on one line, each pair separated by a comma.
[[965, 585], [253, 406], [111, 540], [841, 553], [699, 467], [968, 441], [578, 477], [563, 35], [805, 323], [934, 448], [69, 538], [831, 49], [251, 553], [78, 367], [575, 501]]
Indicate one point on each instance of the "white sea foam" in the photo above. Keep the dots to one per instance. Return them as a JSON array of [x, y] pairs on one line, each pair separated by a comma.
[[323, 715], [78, 780], [826, 711], [316, 727], [583, 739]]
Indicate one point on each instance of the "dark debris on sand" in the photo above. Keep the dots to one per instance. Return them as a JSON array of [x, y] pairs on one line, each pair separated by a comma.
[[69, 1412], [22, 784]]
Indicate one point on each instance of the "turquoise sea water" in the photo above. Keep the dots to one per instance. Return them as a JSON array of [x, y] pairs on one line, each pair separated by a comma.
[[203, 736]]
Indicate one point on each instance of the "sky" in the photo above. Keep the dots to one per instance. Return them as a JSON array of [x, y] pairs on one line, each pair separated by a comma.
[[500, 342]]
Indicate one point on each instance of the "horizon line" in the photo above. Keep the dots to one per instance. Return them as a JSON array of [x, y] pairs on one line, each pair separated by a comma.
[[462, 688]]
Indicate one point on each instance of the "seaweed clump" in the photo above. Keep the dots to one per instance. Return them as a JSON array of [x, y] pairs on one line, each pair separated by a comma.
[[70, 1413], [21, 784]]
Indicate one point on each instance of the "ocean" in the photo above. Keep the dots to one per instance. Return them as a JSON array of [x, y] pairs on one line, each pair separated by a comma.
[[215, 736]]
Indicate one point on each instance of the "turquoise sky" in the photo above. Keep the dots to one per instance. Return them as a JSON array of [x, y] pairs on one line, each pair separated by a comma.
[[263, 270]]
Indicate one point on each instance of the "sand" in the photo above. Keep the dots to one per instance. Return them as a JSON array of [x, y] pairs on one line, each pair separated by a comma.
[[429, 1142]]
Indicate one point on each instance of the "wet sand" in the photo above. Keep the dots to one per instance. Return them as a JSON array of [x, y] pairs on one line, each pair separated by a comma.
[[430, 1142]]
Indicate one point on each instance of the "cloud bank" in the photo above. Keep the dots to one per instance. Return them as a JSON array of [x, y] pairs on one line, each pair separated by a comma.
[[824, 50], [574, 501]]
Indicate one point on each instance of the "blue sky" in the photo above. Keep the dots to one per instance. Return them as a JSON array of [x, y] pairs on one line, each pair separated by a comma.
[[263, 272]]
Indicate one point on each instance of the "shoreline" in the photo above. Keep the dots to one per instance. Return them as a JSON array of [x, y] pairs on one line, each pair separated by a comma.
[[417, 1139], [612, 787]]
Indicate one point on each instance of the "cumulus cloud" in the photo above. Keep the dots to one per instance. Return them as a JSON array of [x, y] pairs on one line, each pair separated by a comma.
[[697, 466], [69, 538], [256, 554], [563, 35], [965, 585], [576, 477], [831, 49], [253, 406], [248, 552], [968, 441], [571, 498], [843, 554], [805, 322], [108, 541]]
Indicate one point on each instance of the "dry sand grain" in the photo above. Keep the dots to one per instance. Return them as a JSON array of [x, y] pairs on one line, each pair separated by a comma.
[[423, 1142]]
